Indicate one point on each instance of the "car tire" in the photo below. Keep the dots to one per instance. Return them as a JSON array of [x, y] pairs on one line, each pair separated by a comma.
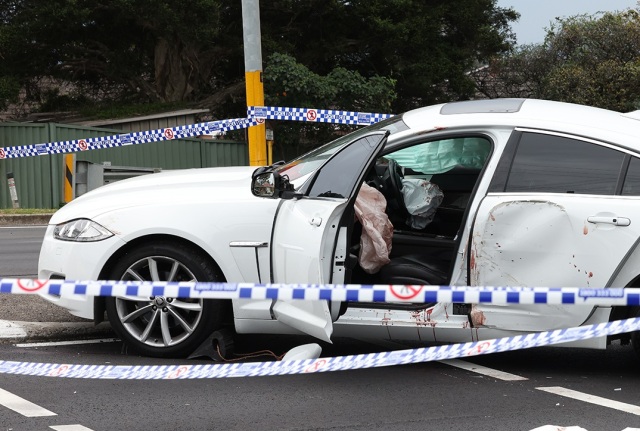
[[161, 326]]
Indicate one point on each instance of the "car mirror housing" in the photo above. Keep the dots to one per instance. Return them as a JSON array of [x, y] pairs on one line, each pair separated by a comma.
[[264, 185], [271, 185]]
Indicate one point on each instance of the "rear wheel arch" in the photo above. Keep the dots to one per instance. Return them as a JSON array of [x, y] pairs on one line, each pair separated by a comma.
[[619, 312], [627, 275]]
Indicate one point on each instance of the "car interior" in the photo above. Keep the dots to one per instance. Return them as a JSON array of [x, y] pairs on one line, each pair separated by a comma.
[[423, 252]]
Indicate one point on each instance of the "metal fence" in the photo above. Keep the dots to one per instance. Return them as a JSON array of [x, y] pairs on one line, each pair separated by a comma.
[[39, 180]]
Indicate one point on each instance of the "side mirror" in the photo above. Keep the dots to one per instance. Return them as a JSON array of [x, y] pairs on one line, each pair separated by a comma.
[[269, 184], [264, 185]]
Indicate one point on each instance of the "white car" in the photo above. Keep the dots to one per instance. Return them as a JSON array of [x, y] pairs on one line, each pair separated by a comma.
[[505, 192]]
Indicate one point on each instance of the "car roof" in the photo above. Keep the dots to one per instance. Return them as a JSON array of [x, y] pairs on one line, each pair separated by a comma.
[[600, 124]]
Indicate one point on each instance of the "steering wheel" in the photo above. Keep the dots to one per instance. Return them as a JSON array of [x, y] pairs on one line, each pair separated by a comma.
[[395, 178]]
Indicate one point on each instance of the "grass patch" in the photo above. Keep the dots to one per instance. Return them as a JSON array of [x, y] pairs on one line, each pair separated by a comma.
[[10, 211]]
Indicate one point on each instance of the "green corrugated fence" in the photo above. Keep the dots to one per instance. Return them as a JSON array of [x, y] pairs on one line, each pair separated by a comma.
[[39, 180]]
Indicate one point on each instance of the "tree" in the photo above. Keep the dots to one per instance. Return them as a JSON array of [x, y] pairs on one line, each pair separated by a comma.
[[425, 46], [374, 55], [587, 59], [292, 84], [144, 50]]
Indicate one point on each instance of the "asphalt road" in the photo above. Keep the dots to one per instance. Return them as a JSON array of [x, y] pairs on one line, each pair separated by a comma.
[[428, 396], [19, 250]]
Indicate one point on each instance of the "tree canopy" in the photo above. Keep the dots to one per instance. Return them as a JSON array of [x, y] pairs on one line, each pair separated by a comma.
[[587, 59], [368, 55], [138, 50]]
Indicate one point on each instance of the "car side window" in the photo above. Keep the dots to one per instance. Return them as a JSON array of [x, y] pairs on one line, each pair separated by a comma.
[[429, 185], [340, 175], [632, 180], [555, 164]]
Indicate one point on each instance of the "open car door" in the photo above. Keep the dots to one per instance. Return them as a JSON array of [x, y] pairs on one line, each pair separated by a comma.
[[311, 232]]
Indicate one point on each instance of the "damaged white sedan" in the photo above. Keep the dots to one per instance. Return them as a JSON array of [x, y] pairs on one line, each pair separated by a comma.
[[506, 192]]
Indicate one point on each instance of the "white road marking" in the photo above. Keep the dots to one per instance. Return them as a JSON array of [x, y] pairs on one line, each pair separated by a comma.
[[32, 226], [68, 343], [22, 406], [581, 396], [496, 374], [572, 428], [10, 329], [70, 428], [557, 428]]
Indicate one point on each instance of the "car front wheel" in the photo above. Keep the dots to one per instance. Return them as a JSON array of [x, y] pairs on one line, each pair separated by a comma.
[[162, 326]]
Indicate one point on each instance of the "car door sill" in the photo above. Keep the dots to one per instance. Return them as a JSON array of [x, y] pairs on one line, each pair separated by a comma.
[[391, 305]]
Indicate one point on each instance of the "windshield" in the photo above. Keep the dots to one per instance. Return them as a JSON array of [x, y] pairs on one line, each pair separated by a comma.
[[300, 169]]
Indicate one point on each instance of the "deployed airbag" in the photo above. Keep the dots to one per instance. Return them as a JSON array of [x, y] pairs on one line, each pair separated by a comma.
[[421, 198], [377, 230]]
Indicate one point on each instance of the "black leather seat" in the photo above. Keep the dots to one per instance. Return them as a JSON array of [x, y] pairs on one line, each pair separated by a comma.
[[411, 269]]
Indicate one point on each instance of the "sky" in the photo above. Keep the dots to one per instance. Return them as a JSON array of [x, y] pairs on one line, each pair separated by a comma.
[[536, 15]]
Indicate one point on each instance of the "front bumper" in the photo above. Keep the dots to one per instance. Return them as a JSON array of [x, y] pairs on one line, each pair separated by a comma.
[[70, 260]]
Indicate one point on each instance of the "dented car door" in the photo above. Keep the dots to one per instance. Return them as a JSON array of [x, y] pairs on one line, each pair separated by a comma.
[[550, 220]]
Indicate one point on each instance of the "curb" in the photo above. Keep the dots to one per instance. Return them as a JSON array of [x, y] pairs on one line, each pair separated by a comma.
[[24, 219], [19, 331], [15, 331]]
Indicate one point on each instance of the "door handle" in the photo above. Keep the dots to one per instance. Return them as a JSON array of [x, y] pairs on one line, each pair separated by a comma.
[[616, 221], [316, 221]]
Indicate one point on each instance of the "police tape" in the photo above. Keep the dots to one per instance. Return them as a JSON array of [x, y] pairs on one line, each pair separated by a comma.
[[316, 115], [124, 139], [331, 292], [256, 115], [320, 365]]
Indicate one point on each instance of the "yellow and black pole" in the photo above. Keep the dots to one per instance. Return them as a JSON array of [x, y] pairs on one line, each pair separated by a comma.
[[253, 77], [68, 180]]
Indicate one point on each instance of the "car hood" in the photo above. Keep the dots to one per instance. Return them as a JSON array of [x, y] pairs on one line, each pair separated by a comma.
[[229, 184]]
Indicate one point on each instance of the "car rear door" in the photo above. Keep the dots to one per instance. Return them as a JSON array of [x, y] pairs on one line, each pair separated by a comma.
[[310, 233], [556, 219]]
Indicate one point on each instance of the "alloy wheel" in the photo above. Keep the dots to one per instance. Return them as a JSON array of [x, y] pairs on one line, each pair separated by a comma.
[[158, 321]]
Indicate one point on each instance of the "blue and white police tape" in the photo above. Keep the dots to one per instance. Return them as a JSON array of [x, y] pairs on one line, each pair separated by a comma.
[[256, 115], [330, 292], [316, 115], [321, 365], [132, 138]]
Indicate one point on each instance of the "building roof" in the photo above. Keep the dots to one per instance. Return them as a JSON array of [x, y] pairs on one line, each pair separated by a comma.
[[110, 122]]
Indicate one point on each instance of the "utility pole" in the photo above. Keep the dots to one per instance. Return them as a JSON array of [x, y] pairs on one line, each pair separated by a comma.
[[253, 78]]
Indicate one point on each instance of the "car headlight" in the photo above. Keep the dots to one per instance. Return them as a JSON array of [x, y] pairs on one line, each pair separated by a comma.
[[82, 230]]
